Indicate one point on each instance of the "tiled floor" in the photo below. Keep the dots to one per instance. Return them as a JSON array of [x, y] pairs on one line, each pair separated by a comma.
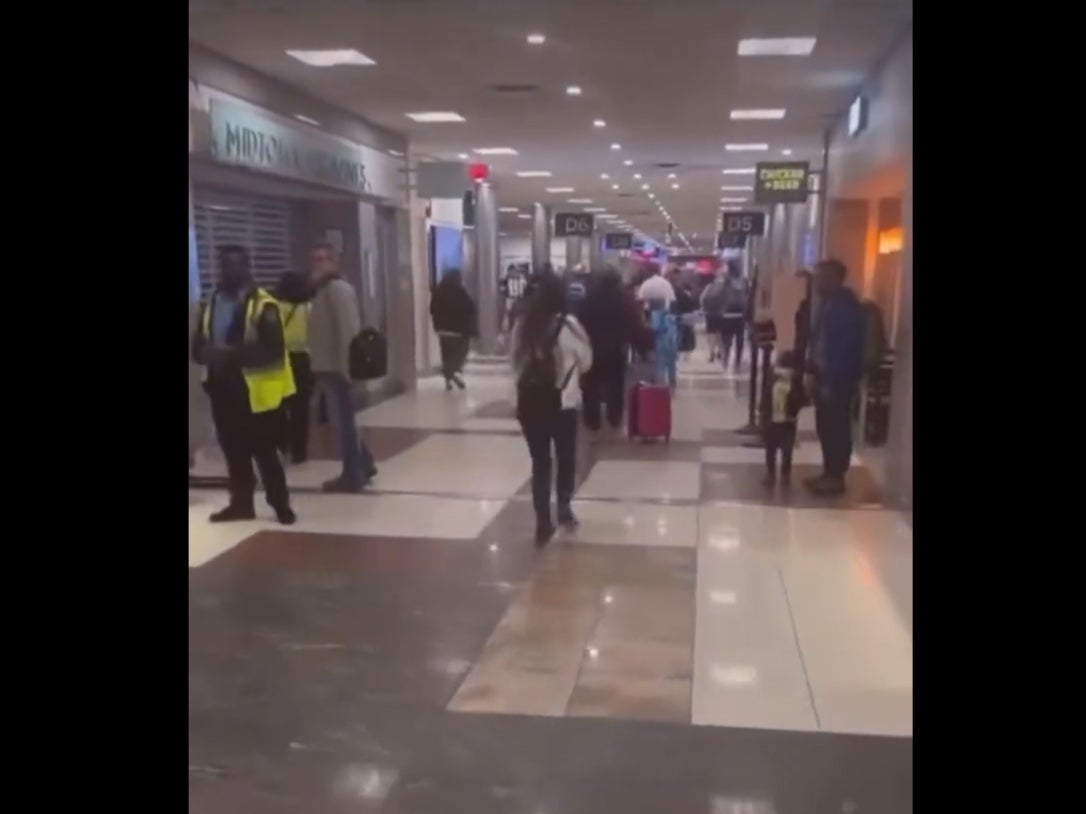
[[699, 645]]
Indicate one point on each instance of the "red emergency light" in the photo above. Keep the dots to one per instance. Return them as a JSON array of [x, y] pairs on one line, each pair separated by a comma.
[[478, 172]]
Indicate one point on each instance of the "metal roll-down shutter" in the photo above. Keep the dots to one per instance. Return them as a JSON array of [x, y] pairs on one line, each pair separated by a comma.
[[261, 225]]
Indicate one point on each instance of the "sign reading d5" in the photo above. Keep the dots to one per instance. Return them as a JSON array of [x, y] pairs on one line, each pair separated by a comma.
[[750, 224]]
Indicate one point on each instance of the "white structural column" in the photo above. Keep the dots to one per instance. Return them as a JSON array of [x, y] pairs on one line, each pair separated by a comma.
[[541, 235], [574, 251], [899, 459], [488, 261]]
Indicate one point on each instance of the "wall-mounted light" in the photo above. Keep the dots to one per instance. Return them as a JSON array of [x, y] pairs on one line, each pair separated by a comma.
[[891, 240]]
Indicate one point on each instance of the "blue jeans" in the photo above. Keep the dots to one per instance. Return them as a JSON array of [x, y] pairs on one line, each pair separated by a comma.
[[358, 464]]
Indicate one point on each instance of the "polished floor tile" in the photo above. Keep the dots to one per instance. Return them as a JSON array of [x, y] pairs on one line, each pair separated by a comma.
[[493, 466], [745, 483], [807, 454], [610, 523], [632, 480], [612, 696], [395, 515]]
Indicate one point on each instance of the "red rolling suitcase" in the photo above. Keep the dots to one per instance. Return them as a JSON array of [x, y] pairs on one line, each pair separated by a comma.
[[649, 413]]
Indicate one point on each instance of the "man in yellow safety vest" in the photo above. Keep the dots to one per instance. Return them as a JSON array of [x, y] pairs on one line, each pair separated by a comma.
[[294, 293], [247, 375]]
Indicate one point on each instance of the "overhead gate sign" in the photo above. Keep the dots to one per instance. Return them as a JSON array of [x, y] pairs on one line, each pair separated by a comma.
[[573, 224], [781, 182]]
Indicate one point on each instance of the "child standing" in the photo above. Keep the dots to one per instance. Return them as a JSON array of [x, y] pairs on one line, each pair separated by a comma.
[[665, 330], [780, 423]]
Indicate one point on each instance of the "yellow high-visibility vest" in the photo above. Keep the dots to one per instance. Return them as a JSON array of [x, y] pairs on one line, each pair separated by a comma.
[[267, 386], [296, 326]]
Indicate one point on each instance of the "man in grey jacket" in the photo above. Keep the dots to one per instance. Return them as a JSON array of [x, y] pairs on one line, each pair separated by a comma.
[[334, 321]]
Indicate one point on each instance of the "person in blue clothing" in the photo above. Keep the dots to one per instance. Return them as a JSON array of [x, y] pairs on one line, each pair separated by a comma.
[[665, 330], [836, 359]]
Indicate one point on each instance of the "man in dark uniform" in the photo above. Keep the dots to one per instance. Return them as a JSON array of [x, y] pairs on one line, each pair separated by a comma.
[[239, 341]]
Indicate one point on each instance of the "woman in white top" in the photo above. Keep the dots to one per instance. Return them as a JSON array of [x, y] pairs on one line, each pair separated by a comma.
[[550, 352]]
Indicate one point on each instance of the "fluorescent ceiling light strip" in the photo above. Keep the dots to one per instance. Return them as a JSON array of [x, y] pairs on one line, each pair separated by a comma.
[[331, 58], [739, 148], [766, 113], [580, 200], [434, 116], [727, 188], [559, 189], [494, 151], [508, 209], [739, 171], [533, 174], [595, 209], [307, 120], [777, 46]]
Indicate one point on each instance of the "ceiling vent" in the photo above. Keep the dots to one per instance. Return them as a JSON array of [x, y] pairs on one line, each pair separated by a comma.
[[514, 88], [667, 165]]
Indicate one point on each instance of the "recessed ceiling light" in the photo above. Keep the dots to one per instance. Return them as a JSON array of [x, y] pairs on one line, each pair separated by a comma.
[[645, 186], [728, 188], [651, 195], [533, 174], [580, 200], [559, 189], [536, 39], [616, 146], [786, 151], [435, 116], [671, 175], [573, 90], [628, 162], [739, 171], [637, 176], [614, 186], [595, 209], [732, 200], [765, 113], [740, 148], [777, 47], [494, 151], [604, 176], [525, 217], [330, 59], [674, 186], [463, 156], [307, 120], [395, 153], [599, 123]]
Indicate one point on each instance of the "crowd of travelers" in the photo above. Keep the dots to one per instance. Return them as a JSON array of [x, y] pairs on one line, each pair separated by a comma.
[[265, 356]]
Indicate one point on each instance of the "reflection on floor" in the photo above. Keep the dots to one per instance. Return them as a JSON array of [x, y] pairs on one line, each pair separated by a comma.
[[700, 645]]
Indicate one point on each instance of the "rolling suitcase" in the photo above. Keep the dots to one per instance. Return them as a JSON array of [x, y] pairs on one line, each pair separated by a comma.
[[649, 412]]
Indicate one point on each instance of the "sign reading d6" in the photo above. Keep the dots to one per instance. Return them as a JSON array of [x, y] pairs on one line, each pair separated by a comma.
[[573, 224], [751, 224]]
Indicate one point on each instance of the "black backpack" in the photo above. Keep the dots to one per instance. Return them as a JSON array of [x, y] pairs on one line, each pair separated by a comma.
[[539, 395], [368, 355]]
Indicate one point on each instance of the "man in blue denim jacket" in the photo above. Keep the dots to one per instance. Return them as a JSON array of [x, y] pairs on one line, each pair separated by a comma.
[[836, 357]]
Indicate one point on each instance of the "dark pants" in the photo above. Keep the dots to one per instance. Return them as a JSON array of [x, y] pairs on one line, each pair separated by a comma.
[[561, 431], [605, 382], [295, 438], [731, 334], [833, 420], [454, 353], [779, 436], [245, 436]]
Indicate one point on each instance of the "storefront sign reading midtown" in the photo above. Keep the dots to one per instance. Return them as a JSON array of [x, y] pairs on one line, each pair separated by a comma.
[[247, 138]]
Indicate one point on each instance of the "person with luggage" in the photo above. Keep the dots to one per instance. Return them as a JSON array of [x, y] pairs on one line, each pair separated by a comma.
[[293, 293], [247, 375], [734, 317], [334, 322], [836, 358], [550, 352], [453, 313], [779, 419], [612, 328]]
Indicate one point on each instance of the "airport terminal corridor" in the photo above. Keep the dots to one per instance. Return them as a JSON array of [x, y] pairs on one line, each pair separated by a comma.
[[700, 644]]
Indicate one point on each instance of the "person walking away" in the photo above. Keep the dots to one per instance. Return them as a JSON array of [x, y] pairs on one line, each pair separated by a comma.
[[734, 316], [334, 322], [247, 375], [550, 351], [655, 287], [836, 361], [611, 326], [779, 426], [712, 305], [293, 295], [665, 331], [454, 317]]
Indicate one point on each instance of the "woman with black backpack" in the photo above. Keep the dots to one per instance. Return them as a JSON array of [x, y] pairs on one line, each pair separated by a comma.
[[550, 352]]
